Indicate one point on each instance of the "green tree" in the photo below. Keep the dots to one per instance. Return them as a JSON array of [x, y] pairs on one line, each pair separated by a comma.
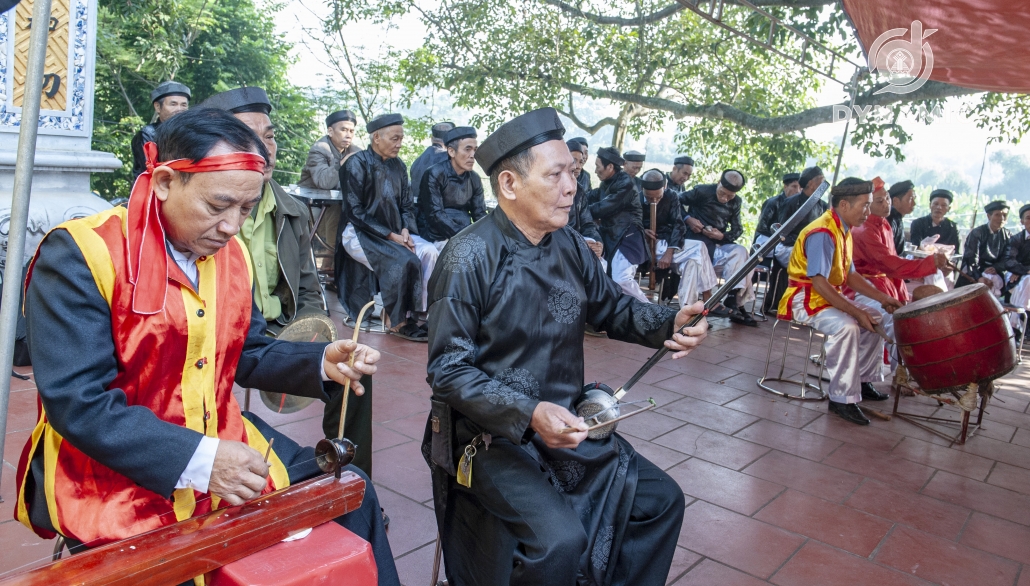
[[735, 102], [211, 46]]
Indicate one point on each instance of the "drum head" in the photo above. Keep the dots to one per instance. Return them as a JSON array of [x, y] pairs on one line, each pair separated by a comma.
[[941, 301], [310, 328]]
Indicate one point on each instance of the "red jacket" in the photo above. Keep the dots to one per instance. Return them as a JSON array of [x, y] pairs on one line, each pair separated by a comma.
[[877, 261]]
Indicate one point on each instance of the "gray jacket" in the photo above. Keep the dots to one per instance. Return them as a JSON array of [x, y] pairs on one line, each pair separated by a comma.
[[322, 169], [298, 288]]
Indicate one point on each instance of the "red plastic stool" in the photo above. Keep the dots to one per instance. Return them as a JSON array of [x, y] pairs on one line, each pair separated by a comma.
[[329, 555]]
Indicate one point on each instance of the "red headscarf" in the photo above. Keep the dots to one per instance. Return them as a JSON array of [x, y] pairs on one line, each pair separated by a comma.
[[145, 234]]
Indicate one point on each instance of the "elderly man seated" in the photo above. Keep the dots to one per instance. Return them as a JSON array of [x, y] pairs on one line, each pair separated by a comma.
[[713, 218], [534, 500], [986, 250], [820, 266], [278, 231], [379, 238], [138, 426], [687, 258], [616, 208], [322, 168], [452, 193]]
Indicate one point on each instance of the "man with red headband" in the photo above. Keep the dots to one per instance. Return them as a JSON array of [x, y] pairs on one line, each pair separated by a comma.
[[138, 426]]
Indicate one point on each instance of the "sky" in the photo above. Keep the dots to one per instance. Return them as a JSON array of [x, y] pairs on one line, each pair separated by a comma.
[[951, 144]]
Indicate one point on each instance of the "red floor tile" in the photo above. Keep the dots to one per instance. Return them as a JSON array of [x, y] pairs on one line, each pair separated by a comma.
[[1010, 477], [789, 439], [1022, 437], [995, 450], [23, 549], [884, 467], [752, 366], [682, 560], [820, 565], [774, 409], [735, 540], [708, 573], [416, 568], [388, 405], [412, 525], [712, 446], [403, 469], [1008, 417], [943, 458], [22, 411], [942, 561], [805, 476], [14, 443], [717, 393], [998, 537], [307, 432], [980, 497], [708, 415], [699, 369], [869, 437], [833, 524], [383, 437], [660, 456], [713, 355], [648, 426], [906, 506], [413, 426], [724, 487]]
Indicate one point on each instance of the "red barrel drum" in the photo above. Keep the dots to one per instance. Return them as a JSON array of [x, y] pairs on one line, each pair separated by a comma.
[[955, 338]]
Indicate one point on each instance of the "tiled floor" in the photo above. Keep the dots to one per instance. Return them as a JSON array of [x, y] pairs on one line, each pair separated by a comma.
[[777, 491]]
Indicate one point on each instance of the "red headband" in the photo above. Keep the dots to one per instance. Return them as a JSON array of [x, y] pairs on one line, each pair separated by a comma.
[[145, 234]]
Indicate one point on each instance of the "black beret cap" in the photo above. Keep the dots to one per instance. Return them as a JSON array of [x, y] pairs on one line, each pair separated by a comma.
[[942, 193], [791, 177], [519, 134], [382, 121], [611, 155], [996, 205], [683, 161], [580, 140], [729, 186], [250, 99], [1024, 210], [169, 88], [458, 133], [339, 116], [575, 145], [808, 174], [652, 185], [634, 156], [441, 129], [900, 188]]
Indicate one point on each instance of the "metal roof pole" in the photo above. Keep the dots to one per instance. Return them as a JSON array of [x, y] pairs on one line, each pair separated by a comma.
[[33, 94]]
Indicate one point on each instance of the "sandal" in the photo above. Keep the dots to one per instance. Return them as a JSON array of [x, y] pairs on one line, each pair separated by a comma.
[[411, 331]]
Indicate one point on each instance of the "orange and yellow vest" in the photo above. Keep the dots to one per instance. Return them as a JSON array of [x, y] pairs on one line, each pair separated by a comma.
[[797, 269], [180, 363]]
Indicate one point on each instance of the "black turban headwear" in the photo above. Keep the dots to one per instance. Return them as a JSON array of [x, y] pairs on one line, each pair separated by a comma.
[[900, 188], [611, 155], [382, 121], [239, 100], [729, 186], [652, 185], [340, 116], [942, 193], [169, 88], [791, 177], [519, 134], [684, 160], [996, 205], [634, 156]]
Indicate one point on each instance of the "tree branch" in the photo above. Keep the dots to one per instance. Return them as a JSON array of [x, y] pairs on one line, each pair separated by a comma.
[[771, 124], [670, 10], [589, 129]]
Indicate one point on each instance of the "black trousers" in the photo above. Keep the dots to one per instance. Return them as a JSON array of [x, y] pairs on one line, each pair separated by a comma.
[[513, 527], [357, 428]]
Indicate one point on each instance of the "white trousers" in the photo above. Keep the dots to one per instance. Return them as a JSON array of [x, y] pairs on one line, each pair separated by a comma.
[[1020, 298], [853, 354], [887, 321], [731, 257], [997, 282], [939, 280], [425, 251], [782, 254], [625, 275], [695, 269]]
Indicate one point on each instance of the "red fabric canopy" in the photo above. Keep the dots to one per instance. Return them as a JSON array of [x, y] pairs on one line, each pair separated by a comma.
[[979, 44]]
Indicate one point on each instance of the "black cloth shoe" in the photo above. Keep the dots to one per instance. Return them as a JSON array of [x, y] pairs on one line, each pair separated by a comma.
[[744, 318], [850, 412], [869, 393]]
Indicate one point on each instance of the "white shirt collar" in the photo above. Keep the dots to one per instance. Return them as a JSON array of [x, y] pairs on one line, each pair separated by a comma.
[[186, 261]]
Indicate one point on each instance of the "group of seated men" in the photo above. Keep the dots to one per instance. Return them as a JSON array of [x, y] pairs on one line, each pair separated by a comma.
[[168, 301]]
